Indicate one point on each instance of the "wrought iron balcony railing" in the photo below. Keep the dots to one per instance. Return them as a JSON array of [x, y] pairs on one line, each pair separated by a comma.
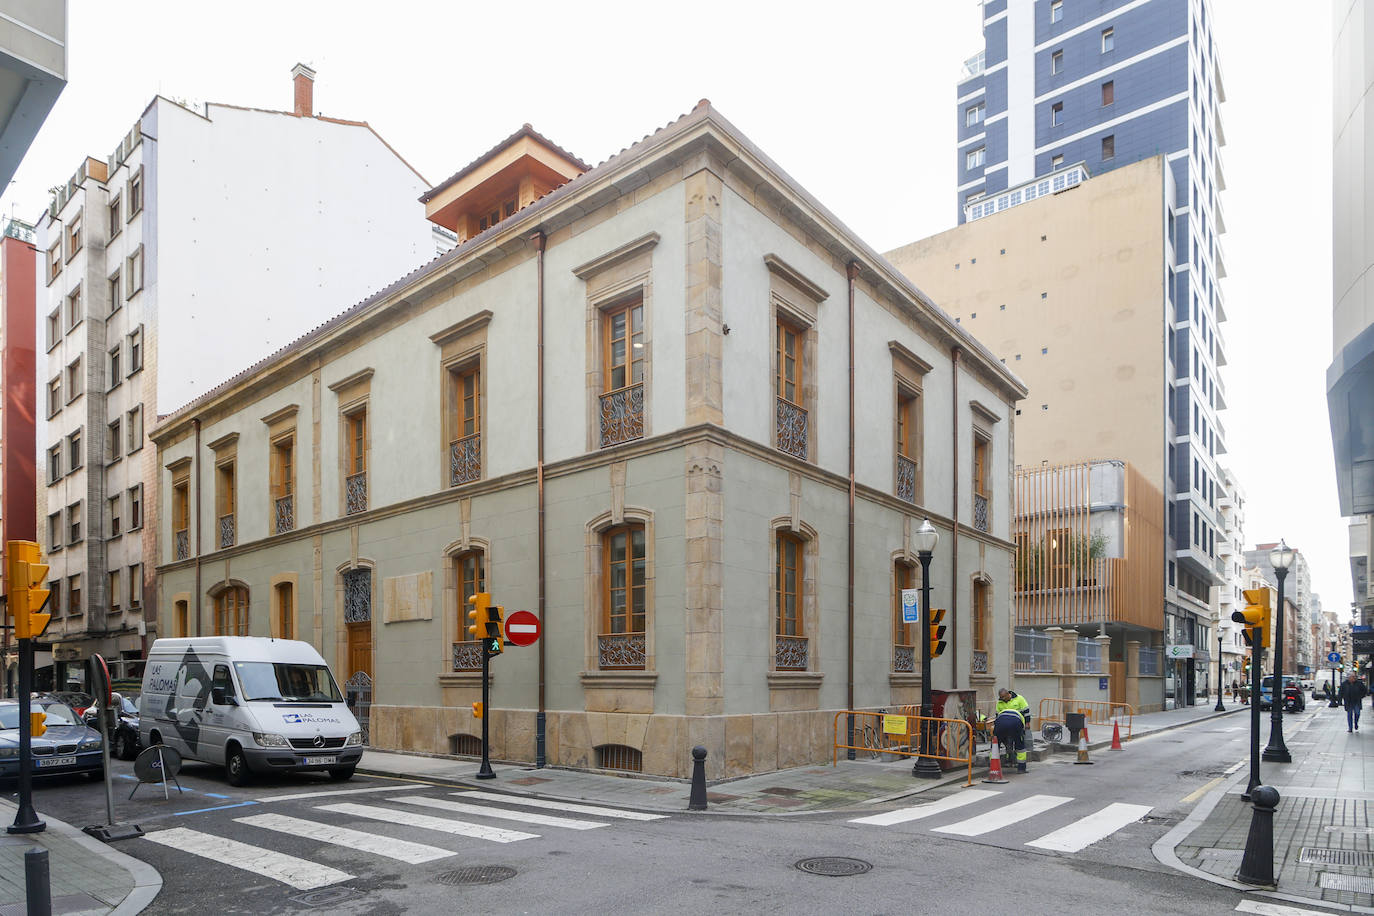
[[791, 653], [467, 655], [226, 530], [622, 415], [183, 544], [286, 512], [621, 650], [980, 512], [791, 429], [906, 479], [465, 460], [980, 661], [904, 658], [355, 493]]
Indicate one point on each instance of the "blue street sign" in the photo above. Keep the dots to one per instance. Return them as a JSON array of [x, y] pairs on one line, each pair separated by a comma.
[[910, 613], [1333, 657]]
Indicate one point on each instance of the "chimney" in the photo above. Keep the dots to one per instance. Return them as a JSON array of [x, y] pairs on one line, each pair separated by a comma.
[[305, 90]]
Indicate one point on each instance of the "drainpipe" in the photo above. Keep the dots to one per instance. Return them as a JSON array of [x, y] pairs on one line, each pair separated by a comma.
[[540, 240], [195, 475], [955, 354], [853, 272]]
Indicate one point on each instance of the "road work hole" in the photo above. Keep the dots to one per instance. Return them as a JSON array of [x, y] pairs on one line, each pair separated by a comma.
[[1347, 883], [833, 866], [476, 874], [329, 896], [1321, 855]]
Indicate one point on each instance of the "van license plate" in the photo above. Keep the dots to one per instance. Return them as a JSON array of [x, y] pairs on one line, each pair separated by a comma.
[[57, 761], [319, 761]]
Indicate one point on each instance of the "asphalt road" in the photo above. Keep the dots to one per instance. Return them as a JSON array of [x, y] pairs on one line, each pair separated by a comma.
[[381, 846]]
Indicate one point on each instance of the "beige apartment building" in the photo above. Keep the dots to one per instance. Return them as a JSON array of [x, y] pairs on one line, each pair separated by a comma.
[[670, 404], [1076, 288]]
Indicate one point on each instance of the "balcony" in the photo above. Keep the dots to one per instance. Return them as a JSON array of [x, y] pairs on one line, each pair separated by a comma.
[[904, 658], [906, 479], [791, 429], [621, 651], [286, 513], [980, 512], [355, 493], [183, 544], [465, 460], [1054, 183], [622, 415], [791, 653], [226, 531], [467, 655]]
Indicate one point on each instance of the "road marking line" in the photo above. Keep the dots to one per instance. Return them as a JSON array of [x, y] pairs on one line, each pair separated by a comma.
[[298, 873], [323, 793], [392, 848], [424, 821], [1234, 767], [215, 808], [948, 803], [1088, 830], [543, 820], [1274, 909], [1201, 791], [1005, 816], [563, 806]]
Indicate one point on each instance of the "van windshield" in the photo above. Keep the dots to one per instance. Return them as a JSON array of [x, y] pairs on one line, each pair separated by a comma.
[[279, 681]]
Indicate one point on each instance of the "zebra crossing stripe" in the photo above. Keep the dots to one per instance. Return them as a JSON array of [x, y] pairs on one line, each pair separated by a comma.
[[424, 821], [392, 848], [1004, 816], [298, 873], [562, 806], [1088, 830], [328, 792], [948, 803], [543, 820]]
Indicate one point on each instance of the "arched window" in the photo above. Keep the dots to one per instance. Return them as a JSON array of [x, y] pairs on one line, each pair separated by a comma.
[[623, 596], [231, 612], [789, 625], [903, 634]]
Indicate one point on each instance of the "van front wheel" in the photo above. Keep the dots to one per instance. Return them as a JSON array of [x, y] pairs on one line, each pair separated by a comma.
[[236, 767], [341, 773]]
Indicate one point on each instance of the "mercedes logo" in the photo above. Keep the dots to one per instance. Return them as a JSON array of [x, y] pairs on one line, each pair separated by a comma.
[[319, 741]]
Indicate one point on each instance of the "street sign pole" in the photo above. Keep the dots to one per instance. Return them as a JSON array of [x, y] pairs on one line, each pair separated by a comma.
[[485, 771], [25, 818], [1256, 657]]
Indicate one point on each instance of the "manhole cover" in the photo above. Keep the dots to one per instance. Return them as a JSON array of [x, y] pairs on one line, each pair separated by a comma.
[[329, 896], [833, 866], [1347, 883], [476, 874], [1321, 855]]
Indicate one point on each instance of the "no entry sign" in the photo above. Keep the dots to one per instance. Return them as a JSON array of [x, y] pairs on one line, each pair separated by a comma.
[[522, 628]]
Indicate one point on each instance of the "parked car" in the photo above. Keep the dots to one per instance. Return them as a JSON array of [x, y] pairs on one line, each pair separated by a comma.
[[1294, 700], [77, 700], [68, 745], [124, 743]]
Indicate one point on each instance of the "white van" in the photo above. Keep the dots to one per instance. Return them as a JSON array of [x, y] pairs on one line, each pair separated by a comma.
[[253, 704]]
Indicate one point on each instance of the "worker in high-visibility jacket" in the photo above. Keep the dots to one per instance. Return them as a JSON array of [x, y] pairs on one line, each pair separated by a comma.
[[1012, 719]]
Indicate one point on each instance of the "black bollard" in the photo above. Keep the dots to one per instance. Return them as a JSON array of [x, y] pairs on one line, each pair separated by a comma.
[[1258, 865], [37, 891], [698, 800]]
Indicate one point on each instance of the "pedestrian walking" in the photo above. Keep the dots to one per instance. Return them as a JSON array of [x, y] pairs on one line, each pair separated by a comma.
[[1352, 694]]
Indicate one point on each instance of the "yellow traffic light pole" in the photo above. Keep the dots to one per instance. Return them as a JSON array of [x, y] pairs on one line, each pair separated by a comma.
[[26, 598], [485, 625], [1255, 617]]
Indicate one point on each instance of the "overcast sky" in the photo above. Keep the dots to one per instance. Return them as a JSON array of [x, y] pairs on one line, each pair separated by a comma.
[[854, 100]]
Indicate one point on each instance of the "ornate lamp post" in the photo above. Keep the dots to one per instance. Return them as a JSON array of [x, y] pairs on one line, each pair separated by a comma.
[[926, 538], [1281, 557]]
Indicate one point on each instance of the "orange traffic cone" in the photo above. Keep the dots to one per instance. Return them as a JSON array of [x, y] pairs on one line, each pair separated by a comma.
[[995, 765], [1116, 736], [1082, 747]]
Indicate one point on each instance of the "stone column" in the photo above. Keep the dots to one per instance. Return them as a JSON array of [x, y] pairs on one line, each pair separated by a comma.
[[1133, 673], [705, 661], [1104, 649], [1064, 659]]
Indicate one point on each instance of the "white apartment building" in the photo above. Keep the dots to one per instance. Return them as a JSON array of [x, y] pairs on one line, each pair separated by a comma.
[[1231, 551], [207, 239]]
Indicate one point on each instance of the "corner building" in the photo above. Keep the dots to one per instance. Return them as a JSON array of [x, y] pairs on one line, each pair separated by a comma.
[[623, 403]]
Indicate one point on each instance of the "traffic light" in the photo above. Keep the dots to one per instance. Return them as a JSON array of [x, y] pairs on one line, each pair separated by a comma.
[[37, 723], [937, 632], [477, 709], [478, 616], [496, 630], [1255, 617], [24, 578]]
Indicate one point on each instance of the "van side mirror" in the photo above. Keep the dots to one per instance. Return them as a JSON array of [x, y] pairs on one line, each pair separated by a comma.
[[218, 697]]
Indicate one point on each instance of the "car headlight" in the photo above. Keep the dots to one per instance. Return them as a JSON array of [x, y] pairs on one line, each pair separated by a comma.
[[266, 740], [9, 752], [354, 740], [90, 744]]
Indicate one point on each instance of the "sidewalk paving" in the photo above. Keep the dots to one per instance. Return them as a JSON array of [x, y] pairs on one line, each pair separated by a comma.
[[1326, 799]]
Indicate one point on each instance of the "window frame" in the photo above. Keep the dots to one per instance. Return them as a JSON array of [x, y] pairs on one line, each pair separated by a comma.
[[134, 429], [135, 507], [975, 158], [55, 259], [1108, 147], [114, 441], [229, 610], [1056, 114], [54, 328], [1056, 62], [74, 533], [77, 461], [1108, 93], [135, 573], [115, 214], [56, 537], [135, 346], [55, 402], [133, 273], [74, 595], [116, 287], [72, 235], [903, 634], [1056, 11], [975, 114], [797, 617], [112, 595], [135, 194], [75, 380], [1108, 39], [113, 371], [628, 530], [75, 308]]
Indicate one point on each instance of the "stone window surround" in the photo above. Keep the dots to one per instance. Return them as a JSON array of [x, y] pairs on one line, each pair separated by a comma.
[[795, 300], [982, 421], [454, 614], [461, 346], [179, 601], [810, 605], [281, 428], [219, 588], [354, 394], [594, 600], [982, 578], [274, 592], [341, 628], [226, 450], [908, 560], [908, 379]]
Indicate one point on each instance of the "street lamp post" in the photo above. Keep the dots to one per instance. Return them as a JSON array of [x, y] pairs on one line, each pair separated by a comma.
[[1221, 680], [1281, 557], [926, 538]]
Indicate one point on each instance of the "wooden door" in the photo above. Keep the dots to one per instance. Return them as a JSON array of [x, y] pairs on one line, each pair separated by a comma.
[[358, 687], [1117, 685]]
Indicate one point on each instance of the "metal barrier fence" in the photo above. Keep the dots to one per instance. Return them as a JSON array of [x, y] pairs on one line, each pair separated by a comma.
[[1089, 657], [1033, 652], [890, 733], [1095, 712], [1149, 661]]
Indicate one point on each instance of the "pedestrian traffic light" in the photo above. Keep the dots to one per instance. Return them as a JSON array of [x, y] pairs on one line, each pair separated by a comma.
[[477, 709], [1255, 617], [495, 629], [24, 578], [37, 723], [937, 632], [478, 615]]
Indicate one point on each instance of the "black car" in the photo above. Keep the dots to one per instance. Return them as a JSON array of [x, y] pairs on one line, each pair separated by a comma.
[[68, 745], [124, 743]]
